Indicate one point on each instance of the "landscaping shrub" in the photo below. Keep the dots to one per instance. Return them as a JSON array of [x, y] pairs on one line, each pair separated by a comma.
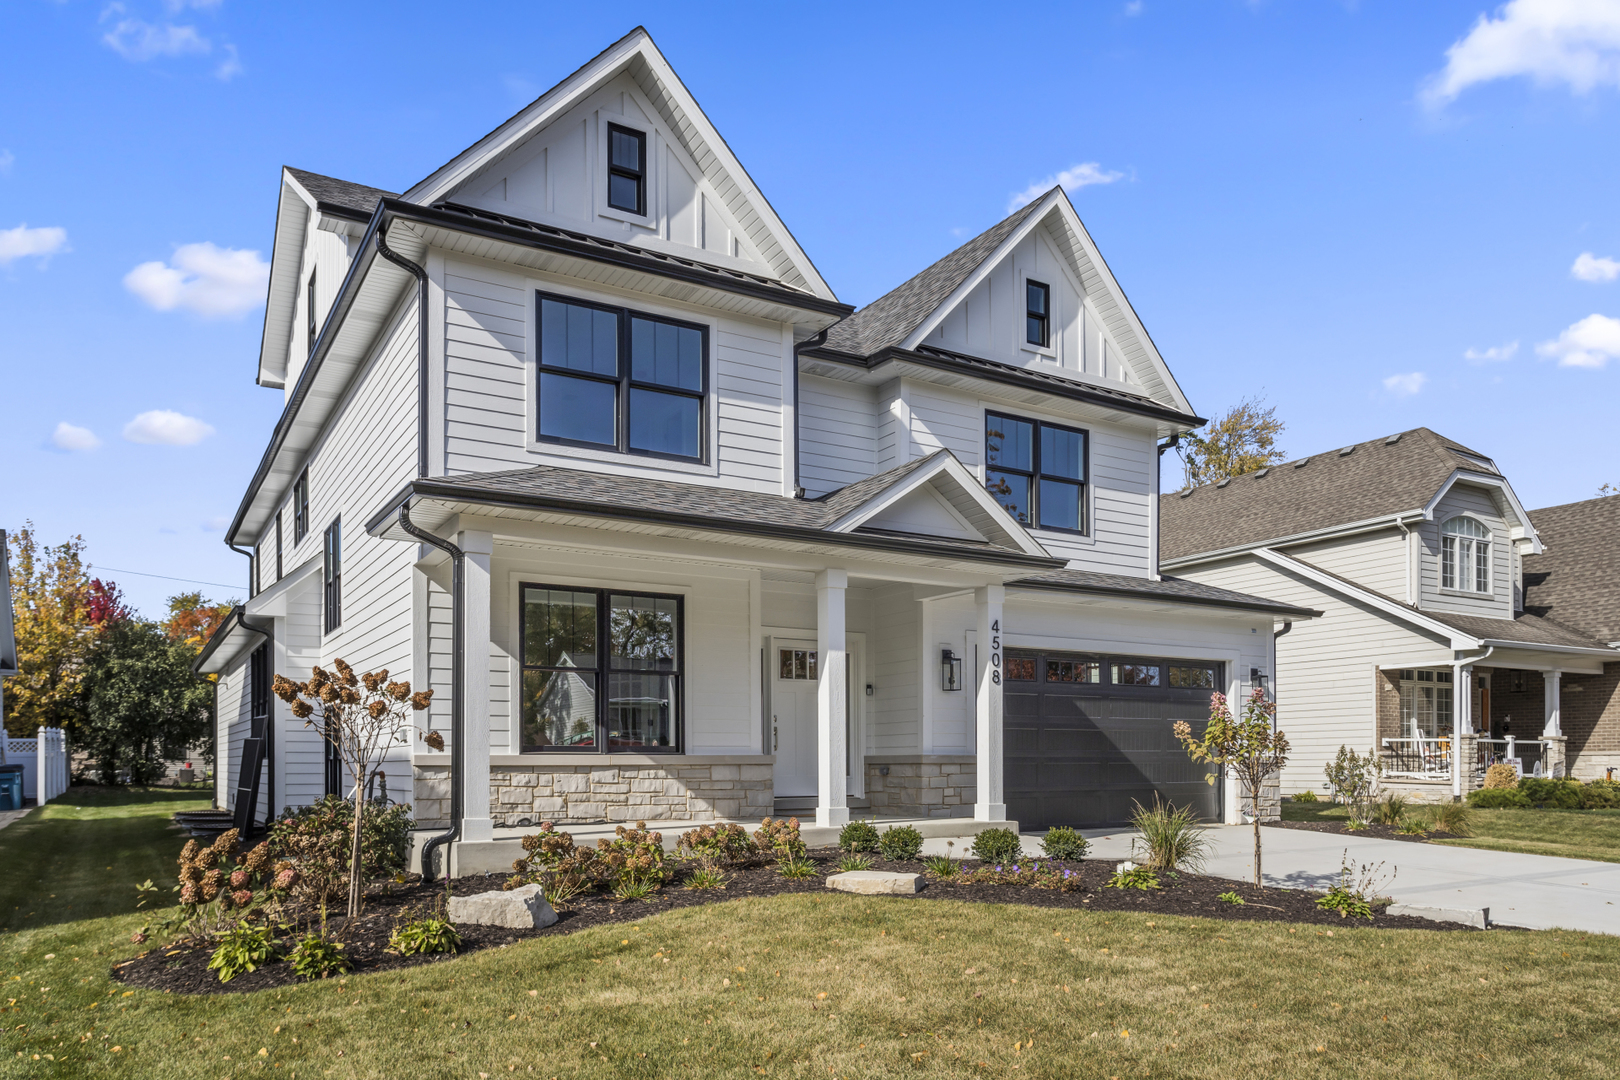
[[242, 948], [855, 860], [1231, 898], [1600, 795], [1414, 826], [780, 838], [1064, 843], [1128, 875], [858, 836], [1501, 775], [1031, 875], [941, 866], [1171, 836], [1346, 903], [714, 846], [1453, 818], [1302, 796], [1352, 777], [997, 846], [432, 934], [315, 842], [317, 956], [217, 884], [796, 867], [1390, 809], [561, 869], [706, 877], [1498, 799], [1551, 794], [900, 843], [634, 862]]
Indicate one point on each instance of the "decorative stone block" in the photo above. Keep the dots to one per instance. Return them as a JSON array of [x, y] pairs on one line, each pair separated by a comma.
[[523, 908], [876, 883]]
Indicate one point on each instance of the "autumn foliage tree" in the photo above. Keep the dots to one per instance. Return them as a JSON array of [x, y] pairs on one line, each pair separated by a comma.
[[53, 606], [193, 620], [1243, 441], [1249, 746]]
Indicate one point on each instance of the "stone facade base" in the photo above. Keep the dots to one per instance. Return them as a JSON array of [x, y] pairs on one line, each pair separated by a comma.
[[1425, 792], [931, 786], [1588, 767], [1270, 799], [523, 795]]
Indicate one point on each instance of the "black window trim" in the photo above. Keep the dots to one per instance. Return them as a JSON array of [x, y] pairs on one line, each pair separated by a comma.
[[332, 576], [623, 382], [309, 302], [1045, 317], [300, 501], [1035, 471], [278, 546], [604, 669], [639, 176]]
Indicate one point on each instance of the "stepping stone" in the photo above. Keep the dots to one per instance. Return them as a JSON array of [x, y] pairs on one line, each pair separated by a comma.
[[876, 883], [523, 908]]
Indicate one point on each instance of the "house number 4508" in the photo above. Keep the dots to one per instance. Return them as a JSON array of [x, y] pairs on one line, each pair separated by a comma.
[[995, 653]]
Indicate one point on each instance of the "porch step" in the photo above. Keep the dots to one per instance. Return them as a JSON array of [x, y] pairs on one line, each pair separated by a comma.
[[806, 804]]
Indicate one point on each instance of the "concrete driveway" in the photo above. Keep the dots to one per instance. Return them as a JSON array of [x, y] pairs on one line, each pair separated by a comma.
[[1533, 891]]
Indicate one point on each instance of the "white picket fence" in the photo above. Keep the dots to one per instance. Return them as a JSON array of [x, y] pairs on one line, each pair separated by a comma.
[[44, 756]]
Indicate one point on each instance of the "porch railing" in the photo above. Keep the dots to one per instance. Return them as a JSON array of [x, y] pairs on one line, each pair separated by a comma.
[[1418, 757], [1528, 755]]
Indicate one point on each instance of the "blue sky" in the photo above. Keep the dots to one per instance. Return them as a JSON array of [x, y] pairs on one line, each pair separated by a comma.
[[1378, 214]]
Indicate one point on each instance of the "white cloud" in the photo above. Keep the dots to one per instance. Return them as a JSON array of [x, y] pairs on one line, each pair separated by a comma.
[[1590, 343], [1405, 385], [215, 524], [7, 160], [175, 7], [208, 280], [1492, 355], [164, 427], [1589, 267], [22, 241], [136, 40], [1071, 179], [230, 67], [1572, 42], [70, 437], [1133, 7]]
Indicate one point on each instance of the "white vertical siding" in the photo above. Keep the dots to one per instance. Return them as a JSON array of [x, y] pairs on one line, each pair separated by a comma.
[[896, 721], [1479, 504]]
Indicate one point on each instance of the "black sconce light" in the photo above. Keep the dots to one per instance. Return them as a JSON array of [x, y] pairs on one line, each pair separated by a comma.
[[950, 670], [1257, 678]]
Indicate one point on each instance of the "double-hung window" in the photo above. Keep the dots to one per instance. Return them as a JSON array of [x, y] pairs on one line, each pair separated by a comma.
[[602, 670], [332, 576], [1036, 471], [300, 502], [1465, 555], [627, 170], [1038, 314], [622, 380]]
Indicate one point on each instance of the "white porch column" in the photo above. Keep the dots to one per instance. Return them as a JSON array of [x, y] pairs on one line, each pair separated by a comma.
[[1553, 726], [476, 826], [832, 700], [1462, 711], [990, 801]]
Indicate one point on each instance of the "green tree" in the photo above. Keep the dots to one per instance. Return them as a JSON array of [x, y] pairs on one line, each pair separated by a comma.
[[1242, 441], [1250, 747], [141, 696], [51, 602]]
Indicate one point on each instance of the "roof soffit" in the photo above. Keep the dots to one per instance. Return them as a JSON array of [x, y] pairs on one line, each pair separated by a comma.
[[293, 211], [636, 55]]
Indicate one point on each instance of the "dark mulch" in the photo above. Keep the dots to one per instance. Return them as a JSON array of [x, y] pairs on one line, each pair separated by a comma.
[[1377, 832], [182, 967]]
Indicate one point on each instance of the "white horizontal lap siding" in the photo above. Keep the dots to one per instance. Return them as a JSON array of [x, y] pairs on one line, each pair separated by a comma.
[[231, 725], [1480, 505], [943, 419], [439, 620], [837, 434], [303, 749], [487, 312], [1377, 560], [1120, 533], [747, 366], [1325, 678]]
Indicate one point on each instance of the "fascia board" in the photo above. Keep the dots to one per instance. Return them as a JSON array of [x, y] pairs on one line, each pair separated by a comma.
[[1525, 530], [946, 465], [1387, 521], [293, 209], [234, 637], [1500, 643], [273, 601], [1458, 639]]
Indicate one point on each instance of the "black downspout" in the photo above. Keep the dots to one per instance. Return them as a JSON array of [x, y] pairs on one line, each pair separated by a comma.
[[421, 344], [456, 674], [808, 343], [1288, 624]]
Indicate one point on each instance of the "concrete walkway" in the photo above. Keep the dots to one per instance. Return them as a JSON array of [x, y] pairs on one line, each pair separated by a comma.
[[1534, 891]]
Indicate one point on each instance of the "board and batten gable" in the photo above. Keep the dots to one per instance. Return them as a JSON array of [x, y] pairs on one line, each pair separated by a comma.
[[1480, 504], [490, 319]]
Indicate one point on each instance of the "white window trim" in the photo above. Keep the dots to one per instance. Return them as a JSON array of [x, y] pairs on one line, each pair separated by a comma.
[[1472, 561]]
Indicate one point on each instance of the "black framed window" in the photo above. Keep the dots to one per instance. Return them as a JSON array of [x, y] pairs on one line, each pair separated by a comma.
[[602, 670], [259, 684], [619, 379], [1037, 313], [627, 170], [1037, 471], [309, 308], [278, 545], [300, 507], [332, 576]]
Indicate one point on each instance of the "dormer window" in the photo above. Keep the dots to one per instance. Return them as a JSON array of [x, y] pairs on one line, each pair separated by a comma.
[[1465, 555], [1037, 313], [627, 170]]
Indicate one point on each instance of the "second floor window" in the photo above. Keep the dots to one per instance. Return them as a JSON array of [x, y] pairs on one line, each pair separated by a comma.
[[1465, 555], [618, 379], [1036, 471], [627, 170], [300, 502], [278, 545], [332, 576], [309, 305], [1037, 313]]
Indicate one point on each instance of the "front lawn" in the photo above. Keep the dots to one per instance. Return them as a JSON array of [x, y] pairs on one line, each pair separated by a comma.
[[813, 985], [1569, 834]]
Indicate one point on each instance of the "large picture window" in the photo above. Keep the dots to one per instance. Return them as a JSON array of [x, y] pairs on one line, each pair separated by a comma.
[[602, 670], [1036, 471], [1425, 704], [622, 380]]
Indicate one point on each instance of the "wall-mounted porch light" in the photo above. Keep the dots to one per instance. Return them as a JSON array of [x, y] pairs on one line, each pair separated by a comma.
[[1257, 678], [950, 670]]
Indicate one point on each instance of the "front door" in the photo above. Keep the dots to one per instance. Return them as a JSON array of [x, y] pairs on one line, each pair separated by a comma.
[[793, 716]]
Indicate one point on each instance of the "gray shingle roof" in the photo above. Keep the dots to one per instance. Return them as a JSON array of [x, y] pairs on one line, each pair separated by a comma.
[[1576, 578], [340, 193], [1169, 588], [892, 317], [1526, 628], [1377, 478]]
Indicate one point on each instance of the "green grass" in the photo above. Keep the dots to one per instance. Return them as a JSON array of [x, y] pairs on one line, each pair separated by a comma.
[[1569, 834], [913, 987]]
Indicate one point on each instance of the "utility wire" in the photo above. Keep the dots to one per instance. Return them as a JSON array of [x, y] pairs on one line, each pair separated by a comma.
[[165, 577]]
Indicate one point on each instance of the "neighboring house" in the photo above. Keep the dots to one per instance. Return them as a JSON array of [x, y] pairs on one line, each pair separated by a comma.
[[576, 435], [1576, 581], [1417, 550]]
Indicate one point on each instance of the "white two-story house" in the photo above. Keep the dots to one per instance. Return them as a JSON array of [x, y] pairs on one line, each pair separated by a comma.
[[576, 434]]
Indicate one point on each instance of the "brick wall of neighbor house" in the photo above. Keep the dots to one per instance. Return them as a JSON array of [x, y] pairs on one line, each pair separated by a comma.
[[1591, 721], [926, 787], [1388, 694], [585, 793], [1525, 706]]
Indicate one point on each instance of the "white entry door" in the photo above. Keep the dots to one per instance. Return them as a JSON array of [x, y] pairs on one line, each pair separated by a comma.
[[794, 671]]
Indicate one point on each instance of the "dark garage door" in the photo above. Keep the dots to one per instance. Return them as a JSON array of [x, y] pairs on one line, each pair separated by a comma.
[[1089, 736]]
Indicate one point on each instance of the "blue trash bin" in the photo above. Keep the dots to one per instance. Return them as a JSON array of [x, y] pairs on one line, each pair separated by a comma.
[[11, 787]]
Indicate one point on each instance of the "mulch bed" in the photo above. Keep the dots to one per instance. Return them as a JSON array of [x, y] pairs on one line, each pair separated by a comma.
[[182, 967], [1377, 832]]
